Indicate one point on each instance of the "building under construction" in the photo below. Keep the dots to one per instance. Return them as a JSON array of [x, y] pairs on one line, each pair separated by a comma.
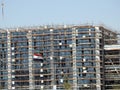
[[59, 57]]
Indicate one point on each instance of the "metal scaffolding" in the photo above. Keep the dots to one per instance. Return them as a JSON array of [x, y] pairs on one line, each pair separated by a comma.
[[112, 63], [51, 57]]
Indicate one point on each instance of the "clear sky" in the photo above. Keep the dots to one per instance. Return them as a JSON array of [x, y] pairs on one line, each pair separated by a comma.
[[42, 12]]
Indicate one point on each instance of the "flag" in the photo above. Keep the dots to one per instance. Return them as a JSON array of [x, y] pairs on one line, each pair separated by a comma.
[[37, 57]]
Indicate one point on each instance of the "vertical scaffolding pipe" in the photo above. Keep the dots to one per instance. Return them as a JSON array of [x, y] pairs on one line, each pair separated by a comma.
[[9, 60], [31, 83], [74, 58], [97, 57]]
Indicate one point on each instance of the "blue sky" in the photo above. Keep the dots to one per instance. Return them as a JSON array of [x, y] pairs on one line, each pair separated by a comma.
[[42, 12]]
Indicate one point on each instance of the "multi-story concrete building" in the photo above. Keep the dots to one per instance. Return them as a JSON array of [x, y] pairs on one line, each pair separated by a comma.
[[57, 57]]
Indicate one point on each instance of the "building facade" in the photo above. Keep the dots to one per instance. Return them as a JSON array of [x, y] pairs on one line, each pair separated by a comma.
[[58, 57]]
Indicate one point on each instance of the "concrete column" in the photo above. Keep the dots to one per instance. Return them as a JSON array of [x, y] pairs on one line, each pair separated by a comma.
[[97, 57], [52, 62], [74, 58], [31, 83], [9, 60]]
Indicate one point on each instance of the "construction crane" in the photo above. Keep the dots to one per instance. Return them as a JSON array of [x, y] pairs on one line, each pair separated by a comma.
[[2, 8]]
